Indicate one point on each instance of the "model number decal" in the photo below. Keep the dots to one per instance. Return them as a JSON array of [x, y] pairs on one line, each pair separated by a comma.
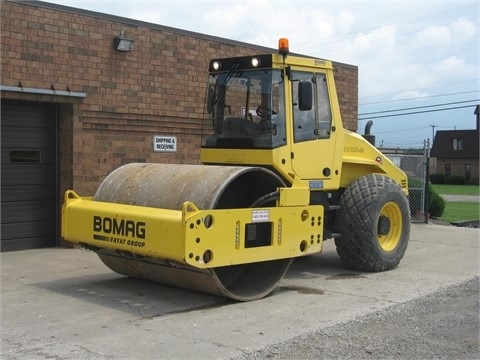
[[354, 149]]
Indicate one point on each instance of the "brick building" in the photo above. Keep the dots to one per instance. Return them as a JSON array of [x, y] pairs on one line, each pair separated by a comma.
[[74, 109]]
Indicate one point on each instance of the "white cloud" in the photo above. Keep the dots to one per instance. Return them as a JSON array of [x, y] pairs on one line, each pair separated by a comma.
[[453, 68], [345, 21], [450, 64], [464, 30], [412, 94], [147, 16], [380, 38], [432, 37]]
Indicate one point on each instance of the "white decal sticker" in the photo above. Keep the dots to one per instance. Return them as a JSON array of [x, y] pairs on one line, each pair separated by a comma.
[[260, 216]]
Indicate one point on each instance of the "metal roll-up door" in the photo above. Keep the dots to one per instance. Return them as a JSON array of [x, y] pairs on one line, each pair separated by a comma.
[[29, 175]]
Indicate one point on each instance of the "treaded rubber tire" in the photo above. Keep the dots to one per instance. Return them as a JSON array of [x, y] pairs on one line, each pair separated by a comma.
[[363, 203]]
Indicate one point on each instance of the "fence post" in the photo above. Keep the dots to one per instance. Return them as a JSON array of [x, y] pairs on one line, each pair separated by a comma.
[[427, 180]]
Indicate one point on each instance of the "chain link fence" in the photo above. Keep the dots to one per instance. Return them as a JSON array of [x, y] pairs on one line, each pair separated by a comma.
[[416, 168]]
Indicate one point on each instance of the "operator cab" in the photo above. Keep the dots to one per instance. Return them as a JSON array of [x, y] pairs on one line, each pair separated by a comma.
[[275, 112], [246, 104]]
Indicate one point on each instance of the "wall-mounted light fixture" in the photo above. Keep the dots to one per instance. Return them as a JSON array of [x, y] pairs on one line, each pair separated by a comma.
[[121, 43]]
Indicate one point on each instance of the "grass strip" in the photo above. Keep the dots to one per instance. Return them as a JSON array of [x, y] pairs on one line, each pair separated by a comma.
[[461, 211]]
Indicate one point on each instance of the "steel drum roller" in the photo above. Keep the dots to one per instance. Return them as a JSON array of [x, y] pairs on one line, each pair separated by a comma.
[[168, 186]]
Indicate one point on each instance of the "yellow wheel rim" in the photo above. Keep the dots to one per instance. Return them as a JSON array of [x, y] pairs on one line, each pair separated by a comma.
[[389, 226]]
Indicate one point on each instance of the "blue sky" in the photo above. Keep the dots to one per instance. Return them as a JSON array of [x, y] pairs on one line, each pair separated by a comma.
[[416, 59]]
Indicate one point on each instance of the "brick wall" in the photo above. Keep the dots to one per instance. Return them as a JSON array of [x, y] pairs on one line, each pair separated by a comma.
[[346, 81], [156, 89], [457, 167]]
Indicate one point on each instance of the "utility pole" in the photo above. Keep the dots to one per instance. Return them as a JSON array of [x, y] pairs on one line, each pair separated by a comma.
[[433, 131]]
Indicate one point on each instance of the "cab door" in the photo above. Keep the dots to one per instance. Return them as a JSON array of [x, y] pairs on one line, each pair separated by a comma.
[[315, 150]]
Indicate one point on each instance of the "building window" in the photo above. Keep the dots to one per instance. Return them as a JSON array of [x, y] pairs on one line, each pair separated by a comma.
[[447, 170], [457, 144]]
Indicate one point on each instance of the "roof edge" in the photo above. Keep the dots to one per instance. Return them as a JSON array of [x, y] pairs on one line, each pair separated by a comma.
[[134, 22]]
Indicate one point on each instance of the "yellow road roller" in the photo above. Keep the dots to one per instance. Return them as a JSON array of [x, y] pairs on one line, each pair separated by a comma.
[[279, 176]]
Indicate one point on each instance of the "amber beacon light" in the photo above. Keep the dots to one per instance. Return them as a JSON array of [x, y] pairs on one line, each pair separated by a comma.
[[283, 47]]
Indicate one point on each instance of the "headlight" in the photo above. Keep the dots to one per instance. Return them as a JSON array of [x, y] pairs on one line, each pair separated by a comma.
[[255, 62], [216, 65]]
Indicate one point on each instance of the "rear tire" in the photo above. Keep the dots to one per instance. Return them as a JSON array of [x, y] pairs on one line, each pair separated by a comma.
[[374, 222]]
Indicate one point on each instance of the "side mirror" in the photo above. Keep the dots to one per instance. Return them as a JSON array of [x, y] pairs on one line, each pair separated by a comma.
[[305, 97]]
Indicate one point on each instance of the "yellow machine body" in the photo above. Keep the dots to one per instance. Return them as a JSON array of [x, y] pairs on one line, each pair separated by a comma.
[[231, 226], [155, 233]]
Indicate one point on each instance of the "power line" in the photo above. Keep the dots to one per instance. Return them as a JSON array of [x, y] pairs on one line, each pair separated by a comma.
[[336, 39], [415, 112], [401, 130], [356, 44], [396, 131], [341, 39], [425, 88], [419, 107], [419, 97]]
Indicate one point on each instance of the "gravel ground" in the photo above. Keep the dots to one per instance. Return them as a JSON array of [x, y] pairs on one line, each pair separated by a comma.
[[443, 325]]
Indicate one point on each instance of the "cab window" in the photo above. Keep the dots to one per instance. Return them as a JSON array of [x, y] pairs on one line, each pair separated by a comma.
[[315, 122]]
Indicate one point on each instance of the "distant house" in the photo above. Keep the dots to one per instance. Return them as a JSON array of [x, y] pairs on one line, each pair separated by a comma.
[[456, 152]]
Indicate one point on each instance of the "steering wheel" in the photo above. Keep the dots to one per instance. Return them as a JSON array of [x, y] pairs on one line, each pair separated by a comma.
[[259, 111]]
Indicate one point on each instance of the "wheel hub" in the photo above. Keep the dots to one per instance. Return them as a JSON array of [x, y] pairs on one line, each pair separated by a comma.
[[383, 225]]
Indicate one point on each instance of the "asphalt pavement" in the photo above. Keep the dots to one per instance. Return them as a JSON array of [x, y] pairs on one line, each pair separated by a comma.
[[65, 304], [442, 325]]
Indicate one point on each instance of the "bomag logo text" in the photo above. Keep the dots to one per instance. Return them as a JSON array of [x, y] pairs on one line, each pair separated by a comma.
[[126, 228]]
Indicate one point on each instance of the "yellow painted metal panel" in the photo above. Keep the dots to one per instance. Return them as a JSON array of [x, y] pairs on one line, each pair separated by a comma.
[[298, 194], [141, 230], [201, 238], [361, 158], [295, 231]]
